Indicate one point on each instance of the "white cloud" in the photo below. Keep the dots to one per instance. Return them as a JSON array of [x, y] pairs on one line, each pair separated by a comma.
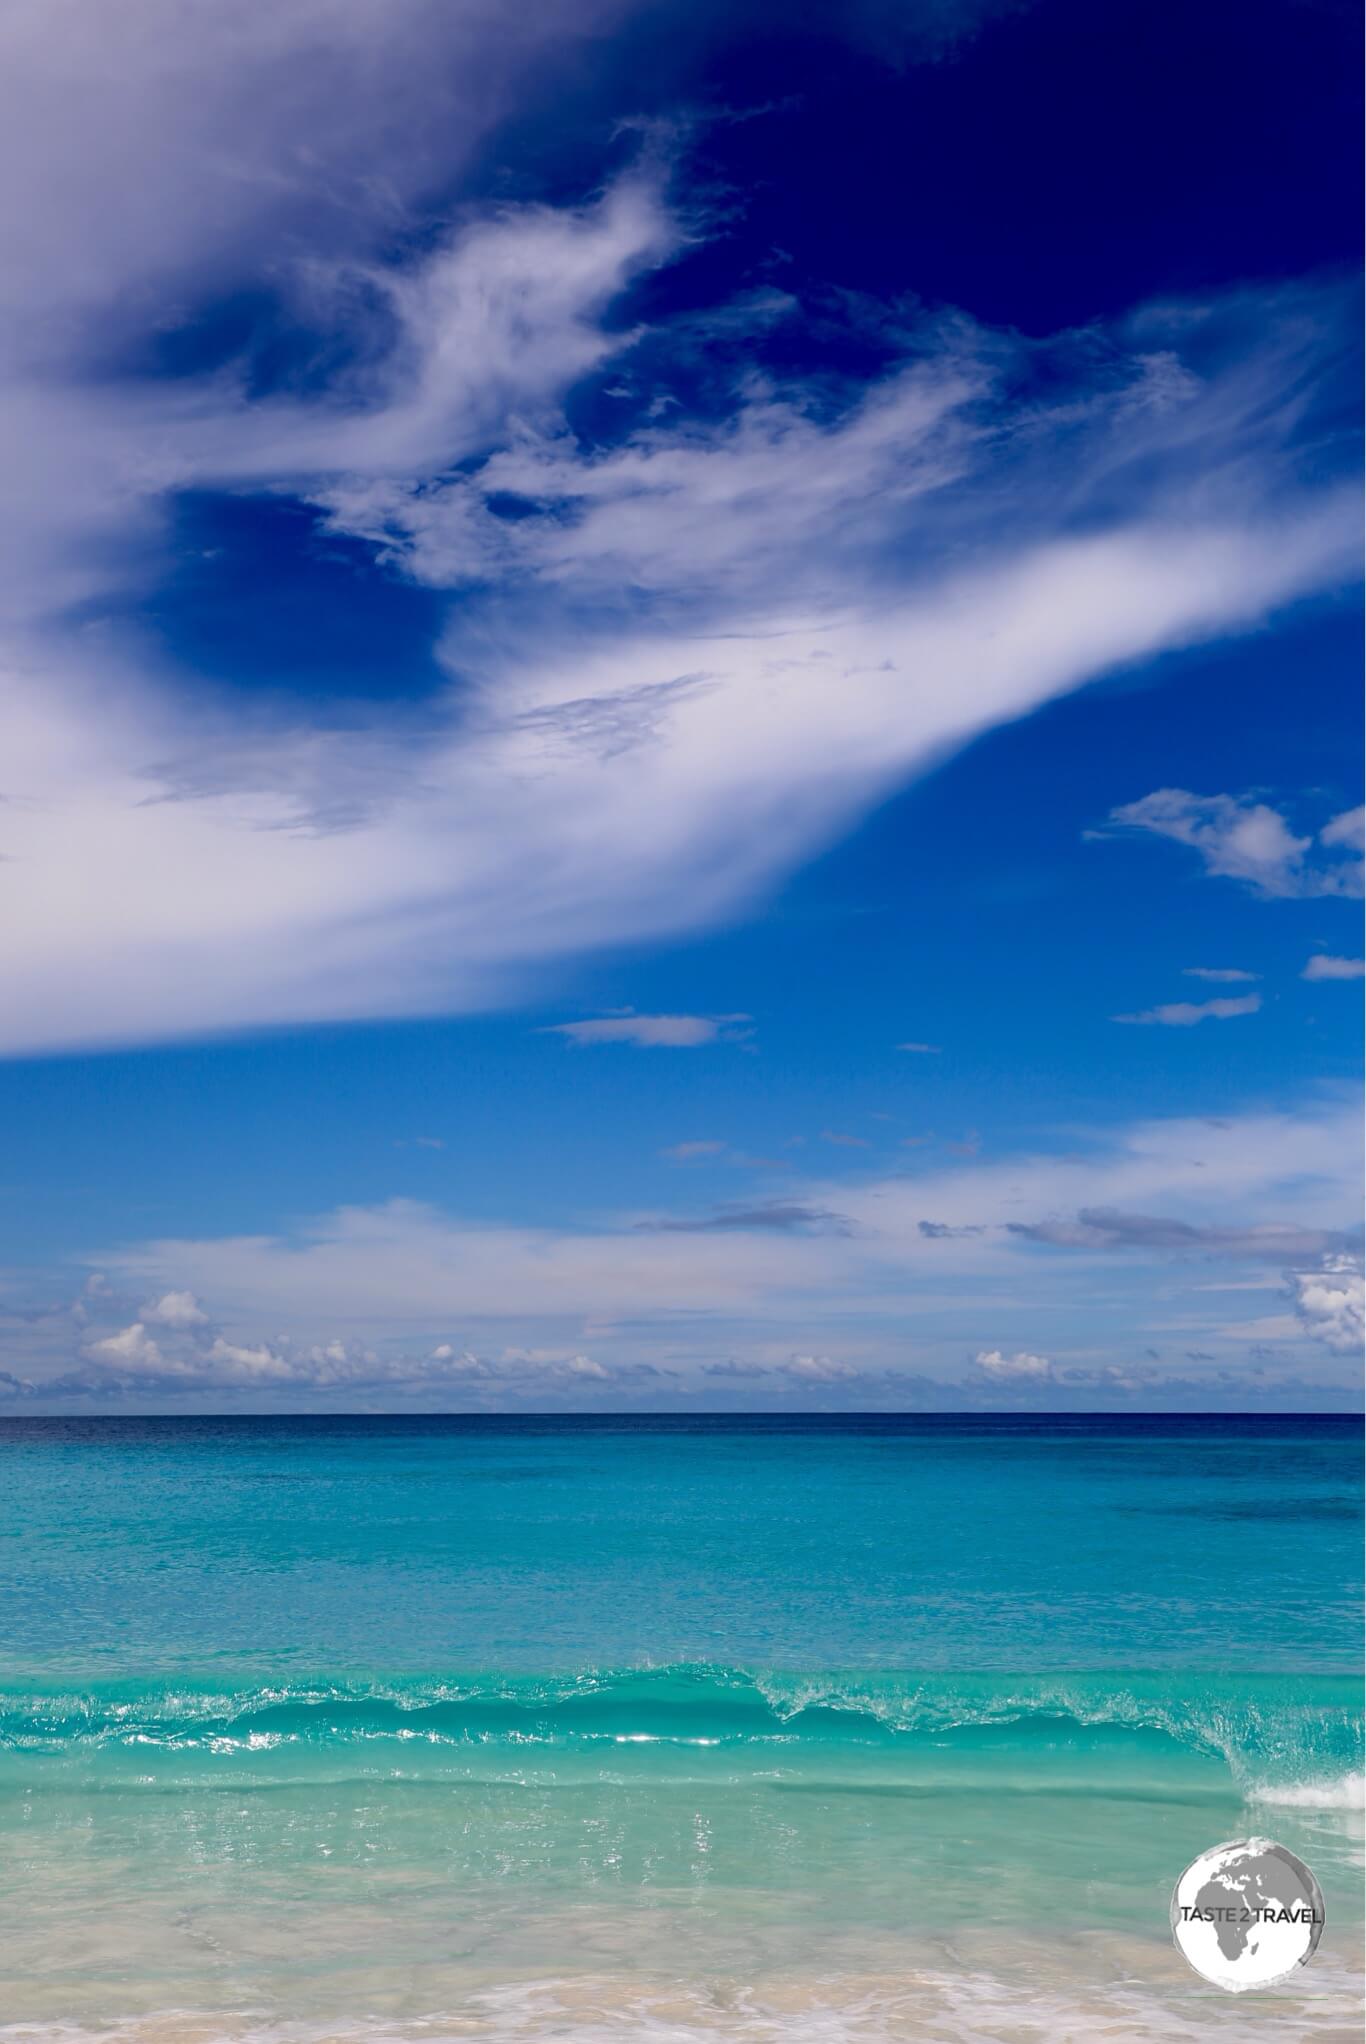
[[818, 1370], [1239, 839], [315, 122], [1185, 1014], [166, 159], [651, 1032], [584, 1366], [196, 1360], [685, 1153], [527, 840], [494, 326], [132, 1350], [725, 640], [1331, 1303], [697, 656], [228, 1361], [1046, 1238], [1322, 966], [924, 1049], [1263, 1182], [713, 507], [1348, 830], [1021, 1364], [1117, 1237], [1220, 975], [404, 1264], [175, 1309]]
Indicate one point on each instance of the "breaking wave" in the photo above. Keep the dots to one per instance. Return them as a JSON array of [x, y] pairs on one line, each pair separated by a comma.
[[1282, 1740]]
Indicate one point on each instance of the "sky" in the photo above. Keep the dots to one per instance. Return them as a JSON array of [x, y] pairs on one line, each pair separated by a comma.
[[680, 716]]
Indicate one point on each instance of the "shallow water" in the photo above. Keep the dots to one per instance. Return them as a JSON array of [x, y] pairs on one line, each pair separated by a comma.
[[415, 1729]]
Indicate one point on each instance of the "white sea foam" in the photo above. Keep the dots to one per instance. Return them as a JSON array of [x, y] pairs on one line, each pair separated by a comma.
[[1341, 1792], [919, 2007]]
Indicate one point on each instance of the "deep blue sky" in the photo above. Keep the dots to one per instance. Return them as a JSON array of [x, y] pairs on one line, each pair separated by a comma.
[[392, 607]]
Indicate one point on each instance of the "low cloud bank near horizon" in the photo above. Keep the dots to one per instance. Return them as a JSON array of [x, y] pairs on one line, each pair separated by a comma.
[[962, 1276]]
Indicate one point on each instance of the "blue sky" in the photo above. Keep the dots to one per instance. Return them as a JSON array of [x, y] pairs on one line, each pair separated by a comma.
[[681, 708]]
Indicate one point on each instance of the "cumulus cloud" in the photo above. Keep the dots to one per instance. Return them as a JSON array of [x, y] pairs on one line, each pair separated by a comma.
[[1241, 839], [175, 1309], [131, 1350], [818, 1370], [195, 1358], [687, 1153], [1185, 1014], [1221, 975], [1020, 1365], [651, 1032], [923, 1049], [1323, 966], [191, 1356], [230, 1360], [1331, 1302], [1347, 830]]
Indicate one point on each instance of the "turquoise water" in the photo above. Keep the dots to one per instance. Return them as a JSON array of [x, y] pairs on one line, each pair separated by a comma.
[[886, 1727]]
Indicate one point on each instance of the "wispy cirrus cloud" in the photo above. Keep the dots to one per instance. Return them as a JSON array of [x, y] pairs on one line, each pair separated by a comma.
[[305, 141], [681, 660]]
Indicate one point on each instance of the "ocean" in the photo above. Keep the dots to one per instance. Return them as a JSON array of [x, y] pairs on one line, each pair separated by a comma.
[[793, 1729]]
